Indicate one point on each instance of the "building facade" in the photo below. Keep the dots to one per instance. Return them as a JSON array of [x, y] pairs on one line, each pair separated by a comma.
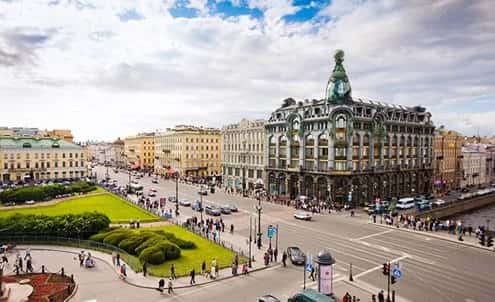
[[474, 160], [40, 159], [345, 149], [447, 160], [243, 155], [139, 151], [190, 150]]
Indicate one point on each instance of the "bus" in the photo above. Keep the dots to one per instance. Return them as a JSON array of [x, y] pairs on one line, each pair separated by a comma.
[[405, 203]]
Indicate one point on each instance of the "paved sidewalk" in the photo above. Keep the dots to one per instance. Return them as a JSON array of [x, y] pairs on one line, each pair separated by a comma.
[[470, 241]]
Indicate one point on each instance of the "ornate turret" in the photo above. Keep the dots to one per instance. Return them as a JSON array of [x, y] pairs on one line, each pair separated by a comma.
[[338, 88]]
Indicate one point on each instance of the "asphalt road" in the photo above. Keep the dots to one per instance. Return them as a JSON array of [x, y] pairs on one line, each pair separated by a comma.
[[433, 269]]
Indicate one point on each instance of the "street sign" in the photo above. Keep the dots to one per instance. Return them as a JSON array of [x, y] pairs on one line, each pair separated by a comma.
[[397, 273], [270, 231], [309, 267]]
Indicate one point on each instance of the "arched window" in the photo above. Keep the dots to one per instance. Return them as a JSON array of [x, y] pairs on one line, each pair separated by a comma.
[[341, 122]]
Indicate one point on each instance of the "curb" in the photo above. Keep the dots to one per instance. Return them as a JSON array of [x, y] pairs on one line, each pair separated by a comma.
[[150, 287], [467, 244]]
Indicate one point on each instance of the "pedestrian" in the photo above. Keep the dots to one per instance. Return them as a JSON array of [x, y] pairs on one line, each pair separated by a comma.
[[123, 273], [275, 254], [28, 253], [233, 269], [29, 265], [172, 272], [284, 258], [161, 285], [145, 268], [170, 289], [203, 267], [381, 296], [118, 259], [81, 258], [312, 274], [236, 259], [344, 299], [270, 252], [245, 269], [266, 257], [138, 223], [114, 256], [231, 229], [193, 275]]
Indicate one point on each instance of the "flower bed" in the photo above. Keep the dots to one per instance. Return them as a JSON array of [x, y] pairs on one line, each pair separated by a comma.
[[46, 287]]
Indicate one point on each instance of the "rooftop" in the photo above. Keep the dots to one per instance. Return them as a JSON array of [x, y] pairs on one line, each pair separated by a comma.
[[36, 143]]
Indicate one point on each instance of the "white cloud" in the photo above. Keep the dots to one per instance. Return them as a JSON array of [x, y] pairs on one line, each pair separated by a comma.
[[105, 78]]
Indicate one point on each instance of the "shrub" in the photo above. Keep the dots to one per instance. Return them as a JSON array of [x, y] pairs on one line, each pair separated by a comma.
[[115, 238], [99, 237], [152, 255], [183, 244], [73, 226], [131, 243], [151, 241], [38, 193], [171, 250]]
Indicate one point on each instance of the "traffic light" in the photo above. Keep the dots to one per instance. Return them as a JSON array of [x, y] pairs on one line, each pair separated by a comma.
[[392, 280], [482, 239], [489, 241], [386, 269]]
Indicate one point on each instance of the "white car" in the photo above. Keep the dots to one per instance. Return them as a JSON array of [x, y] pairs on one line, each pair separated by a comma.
[[152, 190], [152, 194], [30, 202], [303, 216], [438, 203], [184, 203]]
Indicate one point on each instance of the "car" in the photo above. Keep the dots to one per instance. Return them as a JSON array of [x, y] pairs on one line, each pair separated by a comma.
[[172, 199], [225, 209], [268, 298], [30, 202], [151, 194], [213, 211], [302, 216], [203, 192], [295, 254], [9, 204], [152, 190], [154, 180], [196, 206], [184, 202], [115, 171], [233, 208], [135, 182], [438, 203]]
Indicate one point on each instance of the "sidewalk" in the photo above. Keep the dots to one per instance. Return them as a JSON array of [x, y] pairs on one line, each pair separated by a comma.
[[137, 279], [470, 241]]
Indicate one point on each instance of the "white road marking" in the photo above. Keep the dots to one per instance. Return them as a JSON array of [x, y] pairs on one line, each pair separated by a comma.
[[380, 266], [372, 235]]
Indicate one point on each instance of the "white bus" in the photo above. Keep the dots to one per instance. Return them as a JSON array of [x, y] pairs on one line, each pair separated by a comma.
[[405, 203]]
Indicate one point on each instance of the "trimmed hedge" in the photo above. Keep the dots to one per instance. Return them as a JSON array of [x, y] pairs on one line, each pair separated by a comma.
[[38, 193], [73, 226], [116, 238], [131, 243], [152, 255]]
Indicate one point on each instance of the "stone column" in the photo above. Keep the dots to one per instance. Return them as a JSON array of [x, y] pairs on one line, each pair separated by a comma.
[[302, 151], [360, 151], [331, 153]]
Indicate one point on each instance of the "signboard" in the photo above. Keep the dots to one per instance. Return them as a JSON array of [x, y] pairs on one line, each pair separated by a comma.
[[325, 280], [309, 267], [271, 231], [397, 273]]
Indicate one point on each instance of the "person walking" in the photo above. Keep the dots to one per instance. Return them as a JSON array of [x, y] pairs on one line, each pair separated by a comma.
[[169, 286], [284, 258], [275, 254], [29, 265], [161, 285], [312, 274], [193, 275], [81, 258], [118, 259], [145, 268], [381, 296], [172, 272], [203, 267]]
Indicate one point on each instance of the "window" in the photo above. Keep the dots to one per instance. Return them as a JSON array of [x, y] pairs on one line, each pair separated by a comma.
[[341, 122], [5, 165], [63, 164], [56, 165], [18, 165], [28, 165], [63, 155], [70, 155], [48, 165]]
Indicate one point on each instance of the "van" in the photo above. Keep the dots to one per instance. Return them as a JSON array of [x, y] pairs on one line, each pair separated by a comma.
[[405, 203]]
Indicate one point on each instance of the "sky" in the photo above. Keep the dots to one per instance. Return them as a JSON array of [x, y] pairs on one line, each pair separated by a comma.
[[112, 68]]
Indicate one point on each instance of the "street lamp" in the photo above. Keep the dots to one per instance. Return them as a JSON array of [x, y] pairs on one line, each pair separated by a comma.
[[258, 208], [177, 189], [243, 156]]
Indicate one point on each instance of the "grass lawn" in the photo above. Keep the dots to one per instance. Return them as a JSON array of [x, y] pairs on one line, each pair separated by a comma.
[[117, 209], [205, 250]]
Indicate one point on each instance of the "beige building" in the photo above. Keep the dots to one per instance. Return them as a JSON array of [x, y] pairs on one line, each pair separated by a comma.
[[139, 151], [40, 159], [191, 150], [64, 134], [243, 154], [447, 150], [474, 165]]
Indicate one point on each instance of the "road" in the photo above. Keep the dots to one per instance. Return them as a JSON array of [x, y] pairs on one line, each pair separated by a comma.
[[433, 269]]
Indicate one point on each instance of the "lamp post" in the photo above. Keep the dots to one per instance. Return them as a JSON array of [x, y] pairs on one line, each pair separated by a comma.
[[177, 190], [258, 208], [250, 240]]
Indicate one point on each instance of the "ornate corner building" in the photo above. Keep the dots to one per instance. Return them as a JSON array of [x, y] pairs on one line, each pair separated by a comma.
[[347, 149]]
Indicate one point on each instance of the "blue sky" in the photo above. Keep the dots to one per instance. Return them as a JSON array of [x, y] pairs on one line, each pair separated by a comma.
[[142, 65]]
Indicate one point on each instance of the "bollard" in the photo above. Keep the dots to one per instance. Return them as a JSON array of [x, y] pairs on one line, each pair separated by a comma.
[[43, 269], [393, 295], [62, 271], [72, 278], [350, 273]]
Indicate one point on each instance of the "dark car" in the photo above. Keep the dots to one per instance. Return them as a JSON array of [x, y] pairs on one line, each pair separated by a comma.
[[213, 211], [172, 199], [225, 209], [268, 298], [295, 255]]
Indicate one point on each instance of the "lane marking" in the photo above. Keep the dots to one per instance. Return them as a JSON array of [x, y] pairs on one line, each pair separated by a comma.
[[372, 235], [380, 266]]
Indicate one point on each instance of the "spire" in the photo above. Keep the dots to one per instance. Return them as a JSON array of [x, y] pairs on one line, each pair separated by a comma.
[[338, 89]]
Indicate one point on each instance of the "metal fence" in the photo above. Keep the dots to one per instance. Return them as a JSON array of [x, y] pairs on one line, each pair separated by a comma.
[[132, 261]]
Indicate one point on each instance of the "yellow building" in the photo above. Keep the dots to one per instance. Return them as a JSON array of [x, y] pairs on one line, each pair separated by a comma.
[[447, 150], [139, 151], [23, 158], [193, 151], [64, 134]]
